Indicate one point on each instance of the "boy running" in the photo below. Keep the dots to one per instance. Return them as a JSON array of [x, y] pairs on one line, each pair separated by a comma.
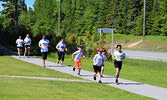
[[105, 59], [78, 54], [27, 42], [98, 61], [19, 43], [117, 57], [44, 44]]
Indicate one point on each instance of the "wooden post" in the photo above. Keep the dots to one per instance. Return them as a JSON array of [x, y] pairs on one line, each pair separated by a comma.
[[101, 31], [112, 41]]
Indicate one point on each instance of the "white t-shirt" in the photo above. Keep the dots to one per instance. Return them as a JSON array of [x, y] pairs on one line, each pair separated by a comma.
[[78, 55], [117, 55], [98, 59], [19, 42], [44, 44], [61, 47], [27, 40]]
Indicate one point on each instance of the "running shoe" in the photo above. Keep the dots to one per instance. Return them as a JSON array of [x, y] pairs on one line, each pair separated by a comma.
[[73, 68], [78, 74], [100, 81], [19, 56], [24, 54], [116, 81], [94, 77], [101, 75]]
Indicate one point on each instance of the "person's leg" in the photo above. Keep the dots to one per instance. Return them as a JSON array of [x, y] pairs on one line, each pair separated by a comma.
[[102, 70], [25, 51], [43, 60], [28, 51], [59, 56], [99, 71], [79, 68], [18, 51], [62, 60], [95, 70]]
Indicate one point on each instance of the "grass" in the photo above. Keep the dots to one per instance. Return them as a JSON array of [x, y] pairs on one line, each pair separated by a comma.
[[11, 66], [145, 71], [28, 89]]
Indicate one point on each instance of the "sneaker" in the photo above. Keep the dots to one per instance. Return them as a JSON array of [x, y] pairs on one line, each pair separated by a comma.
[[94, 77], [116, 81], [44, 66], [79, 74], [19, 56], [101, 75], [24, 54], [100, 81], [73, 68]]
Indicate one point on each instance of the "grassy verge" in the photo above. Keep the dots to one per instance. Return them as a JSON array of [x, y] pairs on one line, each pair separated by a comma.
[[27, 89], [145, 71], [11, 66]]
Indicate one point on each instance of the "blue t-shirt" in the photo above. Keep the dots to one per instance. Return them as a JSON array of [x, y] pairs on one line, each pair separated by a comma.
[[98, 59], [104, 57], [61, 47]]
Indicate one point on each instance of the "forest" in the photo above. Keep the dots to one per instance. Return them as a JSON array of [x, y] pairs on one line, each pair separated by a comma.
[[81, 18]]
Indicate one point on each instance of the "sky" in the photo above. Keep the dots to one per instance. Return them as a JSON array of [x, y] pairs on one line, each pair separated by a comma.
[[29, 3]]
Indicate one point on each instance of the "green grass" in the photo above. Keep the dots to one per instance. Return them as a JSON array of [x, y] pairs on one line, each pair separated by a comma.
[[28, 89], [145, 71], [11, 66]]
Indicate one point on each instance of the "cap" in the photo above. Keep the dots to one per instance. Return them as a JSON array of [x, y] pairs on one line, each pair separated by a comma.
[[100, 50]]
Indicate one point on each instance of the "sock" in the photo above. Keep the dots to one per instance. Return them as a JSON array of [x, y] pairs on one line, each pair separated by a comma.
[[116, 76]]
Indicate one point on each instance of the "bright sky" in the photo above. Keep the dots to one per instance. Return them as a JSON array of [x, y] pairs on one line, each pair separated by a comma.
[[29, 3]]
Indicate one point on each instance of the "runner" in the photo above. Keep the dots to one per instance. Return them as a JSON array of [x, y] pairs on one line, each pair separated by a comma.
[[61, 47], [117, 57], [98, 61], [19, 43], [44, 44], [78, 54], [27, 42], [105, 59]]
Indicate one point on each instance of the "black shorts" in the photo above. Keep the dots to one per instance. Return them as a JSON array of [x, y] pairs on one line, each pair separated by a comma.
[[96, 68], [44, 55], [20, 47], [26, 46], [118, 64]]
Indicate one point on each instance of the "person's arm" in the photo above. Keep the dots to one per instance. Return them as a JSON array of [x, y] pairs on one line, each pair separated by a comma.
[[72, 56], [16, 42], [123, 56], [94, 60], [57, 46], [39, 44], [113, 57]]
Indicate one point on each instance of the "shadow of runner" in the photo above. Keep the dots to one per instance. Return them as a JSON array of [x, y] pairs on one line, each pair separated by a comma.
[[131, 84]]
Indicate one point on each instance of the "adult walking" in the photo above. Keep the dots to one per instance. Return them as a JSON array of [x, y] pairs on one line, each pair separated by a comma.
[[44, 44], [27, 44], [117, 57], [61, 47], [19, 43]]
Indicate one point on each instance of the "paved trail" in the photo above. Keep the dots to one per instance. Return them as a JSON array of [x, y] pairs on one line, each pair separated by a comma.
[[131, 86]]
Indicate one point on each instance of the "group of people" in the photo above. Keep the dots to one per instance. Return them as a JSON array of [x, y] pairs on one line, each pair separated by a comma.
[[26, 42], [98, 60]]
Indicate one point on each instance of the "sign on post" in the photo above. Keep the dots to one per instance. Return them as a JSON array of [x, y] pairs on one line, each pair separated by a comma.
[[107, 30]]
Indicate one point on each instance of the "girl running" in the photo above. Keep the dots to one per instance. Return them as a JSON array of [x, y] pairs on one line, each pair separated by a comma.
[[27, 42], [61, 47], [98, 61], [78, 54], [19, 43], [44, 44], [117, 57]]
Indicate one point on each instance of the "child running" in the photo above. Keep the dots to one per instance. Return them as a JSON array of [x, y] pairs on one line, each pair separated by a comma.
[[44, 44], [27, 44], [98, 61], [19, 43], [105, 59], [117, 57], [78, 54]]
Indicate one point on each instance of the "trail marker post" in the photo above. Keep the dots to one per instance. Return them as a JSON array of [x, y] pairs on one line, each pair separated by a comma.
[[107, 30]]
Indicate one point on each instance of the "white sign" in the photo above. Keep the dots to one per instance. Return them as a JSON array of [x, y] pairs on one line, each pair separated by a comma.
[[106, 30]]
